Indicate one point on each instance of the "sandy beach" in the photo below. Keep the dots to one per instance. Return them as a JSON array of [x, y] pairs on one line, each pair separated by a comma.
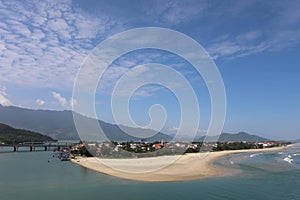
[[164, 168]]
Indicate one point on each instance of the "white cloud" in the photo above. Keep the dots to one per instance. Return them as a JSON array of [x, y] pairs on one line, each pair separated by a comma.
[[4, 100], [40, 102], [72, 102], [4, 97], [62, 100]]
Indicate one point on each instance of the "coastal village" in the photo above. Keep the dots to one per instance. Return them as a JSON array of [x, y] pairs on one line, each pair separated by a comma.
[[149, 149]]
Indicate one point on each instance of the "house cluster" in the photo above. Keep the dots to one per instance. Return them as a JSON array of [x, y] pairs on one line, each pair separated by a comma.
[[165, 148], [109, 148], [269, 144]]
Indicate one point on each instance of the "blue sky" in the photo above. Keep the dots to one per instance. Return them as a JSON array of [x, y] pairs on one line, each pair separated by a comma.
[[255, 45]]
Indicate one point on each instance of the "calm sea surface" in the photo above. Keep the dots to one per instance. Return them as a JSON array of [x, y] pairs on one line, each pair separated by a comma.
[[29, 175]]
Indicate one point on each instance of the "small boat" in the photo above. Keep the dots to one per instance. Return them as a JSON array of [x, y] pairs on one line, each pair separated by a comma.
[[64, 156]]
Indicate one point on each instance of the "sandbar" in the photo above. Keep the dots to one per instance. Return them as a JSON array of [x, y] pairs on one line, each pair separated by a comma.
[[185, 167]]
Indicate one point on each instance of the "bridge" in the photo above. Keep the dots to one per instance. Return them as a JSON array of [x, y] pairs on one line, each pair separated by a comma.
[[33, 146]]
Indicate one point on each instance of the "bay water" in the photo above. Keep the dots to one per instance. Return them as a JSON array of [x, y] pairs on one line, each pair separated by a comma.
[[39, 175]]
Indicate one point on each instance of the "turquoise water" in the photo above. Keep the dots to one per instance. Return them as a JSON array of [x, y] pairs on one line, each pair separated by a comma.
[[29, 175]]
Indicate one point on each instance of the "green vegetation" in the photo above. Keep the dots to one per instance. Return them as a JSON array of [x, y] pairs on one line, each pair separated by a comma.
[[221, 146], [235, 146], [10, 135]]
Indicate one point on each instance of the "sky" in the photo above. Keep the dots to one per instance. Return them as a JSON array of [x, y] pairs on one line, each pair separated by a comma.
[[254, 44]]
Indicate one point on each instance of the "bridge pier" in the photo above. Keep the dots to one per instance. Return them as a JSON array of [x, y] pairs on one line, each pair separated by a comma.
[[32, 148], [16, 148]]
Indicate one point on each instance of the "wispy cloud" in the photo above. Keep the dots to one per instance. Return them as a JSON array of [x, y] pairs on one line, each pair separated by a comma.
[[45, 42], [241, 45], [176, 12], [251, 43], [235, 22], [125, 65], [278, 29]]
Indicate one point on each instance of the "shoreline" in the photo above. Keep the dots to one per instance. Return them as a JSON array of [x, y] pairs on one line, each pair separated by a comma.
[[185, 167]]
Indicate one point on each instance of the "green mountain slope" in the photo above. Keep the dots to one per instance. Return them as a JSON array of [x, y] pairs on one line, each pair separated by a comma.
[[11, 135]]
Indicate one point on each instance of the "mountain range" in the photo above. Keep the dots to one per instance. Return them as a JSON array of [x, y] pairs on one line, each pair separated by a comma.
[[60, 125]]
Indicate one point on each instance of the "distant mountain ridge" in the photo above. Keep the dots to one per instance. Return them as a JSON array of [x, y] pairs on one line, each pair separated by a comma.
[[11, 135], [60, 124], [238, 137]]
